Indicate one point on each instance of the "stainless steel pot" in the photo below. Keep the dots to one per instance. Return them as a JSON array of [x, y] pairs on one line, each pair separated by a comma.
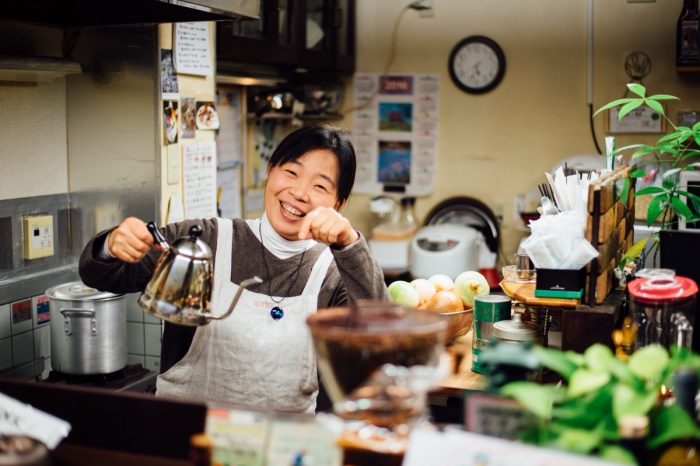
[[88, 329]]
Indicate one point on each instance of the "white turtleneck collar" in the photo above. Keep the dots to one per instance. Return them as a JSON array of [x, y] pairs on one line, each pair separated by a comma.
[[273, 242]]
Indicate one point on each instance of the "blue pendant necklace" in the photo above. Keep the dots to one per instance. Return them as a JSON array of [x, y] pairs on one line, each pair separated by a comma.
[[277, 312]]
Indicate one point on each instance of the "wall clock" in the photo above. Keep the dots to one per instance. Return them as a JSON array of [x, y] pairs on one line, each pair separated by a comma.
[[477, 64]]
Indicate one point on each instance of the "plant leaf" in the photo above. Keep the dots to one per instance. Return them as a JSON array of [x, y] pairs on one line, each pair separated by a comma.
[[624, 193], [616, 454], [637, 89], [578, 440], [671, 423], [636, 249], [692, 196], [681, 208], [614, 103], [536, 398], [650, 190], [671, 172], [654, 209], [668, 184], [648, 362], [643, 151], [637, 173], [556, 361], [628, 401], [628, 108], [586, 381], [662, 97], [654, 105], [598, 358]]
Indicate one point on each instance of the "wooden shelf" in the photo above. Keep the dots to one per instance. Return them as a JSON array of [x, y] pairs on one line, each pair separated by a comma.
[[688, 69]]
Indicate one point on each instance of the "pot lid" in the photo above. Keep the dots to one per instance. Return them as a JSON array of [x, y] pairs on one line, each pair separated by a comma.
[[514, 329], [657, 288], [79, 291]]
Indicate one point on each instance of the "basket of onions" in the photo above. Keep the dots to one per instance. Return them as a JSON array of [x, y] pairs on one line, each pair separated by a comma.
[[452, 300]]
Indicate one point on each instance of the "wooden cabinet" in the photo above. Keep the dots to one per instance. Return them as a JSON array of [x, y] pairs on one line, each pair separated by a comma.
[[316, 35]]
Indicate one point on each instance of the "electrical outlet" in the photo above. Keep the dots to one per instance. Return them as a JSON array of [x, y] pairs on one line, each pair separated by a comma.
[[38, 236]]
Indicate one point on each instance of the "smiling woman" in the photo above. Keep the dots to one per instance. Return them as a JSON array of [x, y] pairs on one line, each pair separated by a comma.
[[307, 253]]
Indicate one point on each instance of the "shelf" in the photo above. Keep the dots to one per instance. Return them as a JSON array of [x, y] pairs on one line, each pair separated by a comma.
[[36, 69], [289, 116], [688, 69]]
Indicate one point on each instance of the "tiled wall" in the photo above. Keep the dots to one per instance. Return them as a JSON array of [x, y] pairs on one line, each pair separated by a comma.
[[25, 337]]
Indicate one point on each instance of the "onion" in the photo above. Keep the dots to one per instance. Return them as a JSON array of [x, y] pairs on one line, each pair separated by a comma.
[[403, 294], [469, 285], [426, 289], [445, 301], [442, 282]]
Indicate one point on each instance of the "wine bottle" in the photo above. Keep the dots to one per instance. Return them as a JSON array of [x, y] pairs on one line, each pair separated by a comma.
[[687, 35], [683, 452], [634, 430]]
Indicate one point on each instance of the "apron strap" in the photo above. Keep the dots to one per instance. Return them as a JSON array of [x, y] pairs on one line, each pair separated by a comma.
[[224, 246], [318, 273]]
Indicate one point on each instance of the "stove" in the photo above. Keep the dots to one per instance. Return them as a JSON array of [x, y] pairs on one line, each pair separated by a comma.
[[133, 377]]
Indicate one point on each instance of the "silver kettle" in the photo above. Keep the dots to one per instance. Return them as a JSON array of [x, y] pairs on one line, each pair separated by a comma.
[[181, 286]]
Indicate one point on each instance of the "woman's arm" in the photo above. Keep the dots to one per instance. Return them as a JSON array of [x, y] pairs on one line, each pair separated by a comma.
[[111, 274]]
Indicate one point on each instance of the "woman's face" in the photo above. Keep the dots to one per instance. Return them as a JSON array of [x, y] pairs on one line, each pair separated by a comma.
[[296, 188]]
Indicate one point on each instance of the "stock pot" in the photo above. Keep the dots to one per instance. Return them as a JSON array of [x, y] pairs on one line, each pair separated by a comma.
[[88, 329]]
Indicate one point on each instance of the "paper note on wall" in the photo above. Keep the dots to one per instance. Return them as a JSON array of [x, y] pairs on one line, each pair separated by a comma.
[[193, 49], [199, 173]]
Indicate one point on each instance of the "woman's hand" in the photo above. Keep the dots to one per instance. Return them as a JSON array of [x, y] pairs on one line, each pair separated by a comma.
[[130, 241], [327, 225]]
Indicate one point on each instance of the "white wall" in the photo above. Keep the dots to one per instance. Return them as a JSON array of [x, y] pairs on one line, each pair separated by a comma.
[[33, 152]]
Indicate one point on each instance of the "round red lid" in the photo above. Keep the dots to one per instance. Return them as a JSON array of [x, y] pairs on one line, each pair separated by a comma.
[[662, 288]]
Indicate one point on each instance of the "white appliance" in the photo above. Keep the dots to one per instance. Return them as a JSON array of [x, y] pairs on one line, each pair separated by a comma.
[[448, 249]]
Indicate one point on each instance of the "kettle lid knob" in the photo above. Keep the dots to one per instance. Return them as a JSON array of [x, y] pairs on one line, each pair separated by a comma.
[[195, 232]]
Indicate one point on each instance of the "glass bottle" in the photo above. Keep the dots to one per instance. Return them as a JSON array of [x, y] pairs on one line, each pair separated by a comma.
[[634, 430], [683, 452], [687, 35], [407, 217]]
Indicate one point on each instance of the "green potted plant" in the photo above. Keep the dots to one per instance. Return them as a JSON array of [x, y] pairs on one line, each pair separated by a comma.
[[583, 413], [677, 150]]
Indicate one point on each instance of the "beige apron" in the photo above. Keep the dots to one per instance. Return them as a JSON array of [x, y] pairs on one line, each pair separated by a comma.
[[249, 358]]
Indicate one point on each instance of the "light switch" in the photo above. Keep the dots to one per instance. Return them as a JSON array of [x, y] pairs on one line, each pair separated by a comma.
[[38, 236]]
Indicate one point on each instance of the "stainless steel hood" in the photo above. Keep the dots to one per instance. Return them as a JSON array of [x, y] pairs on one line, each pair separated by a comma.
[[80, 13]]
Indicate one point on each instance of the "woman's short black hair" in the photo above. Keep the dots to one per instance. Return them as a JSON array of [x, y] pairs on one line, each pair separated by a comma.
[[309, 138]]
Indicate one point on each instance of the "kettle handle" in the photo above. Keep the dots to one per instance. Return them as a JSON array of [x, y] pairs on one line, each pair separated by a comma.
[[158, 236], [245, 283]]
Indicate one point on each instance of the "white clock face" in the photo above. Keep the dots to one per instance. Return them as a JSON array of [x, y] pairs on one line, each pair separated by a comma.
[[476, 65]]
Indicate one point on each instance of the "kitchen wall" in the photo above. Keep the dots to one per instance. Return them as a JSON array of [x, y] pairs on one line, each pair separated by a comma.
[[82, 149], [499, 144]]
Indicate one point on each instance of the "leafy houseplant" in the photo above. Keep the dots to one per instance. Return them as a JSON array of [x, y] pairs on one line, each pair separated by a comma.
[[583, 415], [678, 149]]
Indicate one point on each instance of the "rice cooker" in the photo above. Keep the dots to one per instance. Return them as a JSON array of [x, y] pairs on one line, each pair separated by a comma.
[[447, 249]]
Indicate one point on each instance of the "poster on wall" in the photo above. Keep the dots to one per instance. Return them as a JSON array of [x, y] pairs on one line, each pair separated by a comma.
[[193, 49], [169, 87], [199, 176], [395, 132], [170, 121]]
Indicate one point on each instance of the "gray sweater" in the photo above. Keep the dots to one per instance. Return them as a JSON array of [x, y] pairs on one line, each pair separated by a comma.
[[353, 275]]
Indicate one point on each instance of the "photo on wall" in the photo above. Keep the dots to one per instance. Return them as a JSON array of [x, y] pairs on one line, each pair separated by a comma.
[[396, 116], [207, 117], [188, 111], [168, 78], [170, 121], [394, 164]]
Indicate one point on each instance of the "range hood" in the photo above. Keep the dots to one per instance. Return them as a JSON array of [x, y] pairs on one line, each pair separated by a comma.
[[81, 13]]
